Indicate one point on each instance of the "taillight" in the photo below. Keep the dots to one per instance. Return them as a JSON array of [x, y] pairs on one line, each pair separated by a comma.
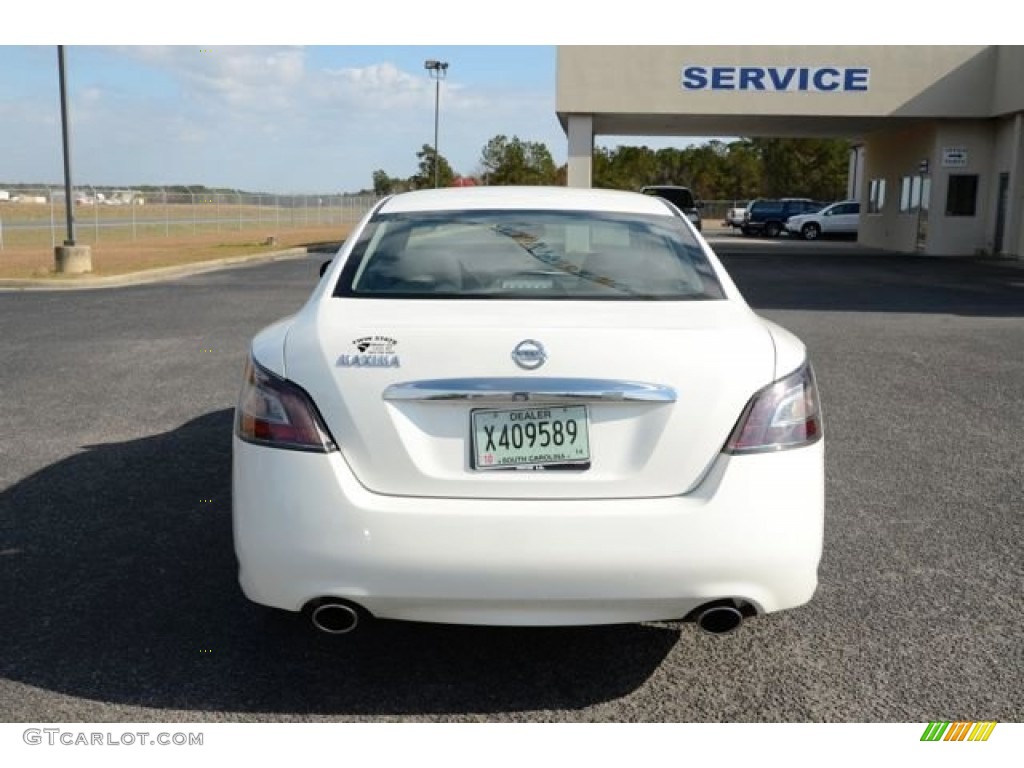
[[786, 414], [275, 412]]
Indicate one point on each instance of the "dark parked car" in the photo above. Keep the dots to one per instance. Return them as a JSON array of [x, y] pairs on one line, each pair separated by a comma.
[[681, 197], [768, 217]]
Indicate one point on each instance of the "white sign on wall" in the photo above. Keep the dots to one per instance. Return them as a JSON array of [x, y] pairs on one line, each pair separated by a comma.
[[954, 157]]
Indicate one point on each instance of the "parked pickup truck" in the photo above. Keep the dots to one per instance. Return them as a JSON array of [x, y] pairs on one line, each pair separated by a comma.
[[734, 216]]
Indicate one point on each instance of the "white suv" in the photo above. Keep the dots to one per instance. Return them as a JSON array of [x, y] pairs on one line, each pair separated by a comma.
[[836, 219]]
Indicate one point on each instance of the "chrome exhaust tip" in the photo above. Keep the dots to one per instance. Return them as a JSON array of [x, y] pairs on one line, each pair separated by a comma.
[[719, 619], [335, 618]]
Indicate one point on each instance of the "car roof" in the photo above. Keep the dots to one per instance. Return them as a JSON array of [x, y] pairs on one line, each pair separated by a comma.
[[524, 198]]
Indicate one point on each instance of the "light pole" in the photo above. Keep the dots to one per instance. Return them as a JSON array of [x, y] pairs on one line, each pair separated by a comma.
[[69, 202], [70, 258], [438, 70]]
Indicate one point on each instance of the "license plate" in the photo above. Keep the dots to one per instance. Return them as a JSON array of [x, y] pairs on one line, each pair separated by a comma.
[[527, 438]]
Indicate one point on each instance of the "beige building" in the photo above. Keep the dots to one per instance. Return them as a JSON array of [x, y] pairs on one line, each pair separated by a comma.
[[936, 132]]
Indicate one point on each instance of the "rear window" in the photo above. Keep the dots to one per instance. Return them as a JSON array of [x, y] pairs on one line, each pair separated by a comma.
[[767, 207], [527, 255]]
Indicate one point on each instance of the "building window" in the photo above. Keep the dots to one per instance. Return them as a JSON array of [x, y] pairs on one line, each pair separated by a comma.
[[905, 184], [962, 196], [876, 195], [914, 193]]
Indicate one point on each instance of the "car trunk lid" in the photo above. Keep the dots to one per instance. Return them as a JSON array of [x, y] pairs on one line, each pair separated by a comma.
[[655, 386]]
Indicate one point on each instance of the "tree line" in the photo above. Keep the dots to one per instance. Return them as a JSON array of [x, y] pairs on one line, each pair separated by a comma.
[[737, 170]]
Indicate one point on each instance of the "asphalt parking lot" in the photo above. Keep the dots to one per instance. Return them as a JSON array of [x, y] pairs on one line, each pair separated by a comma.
[[120, 603]]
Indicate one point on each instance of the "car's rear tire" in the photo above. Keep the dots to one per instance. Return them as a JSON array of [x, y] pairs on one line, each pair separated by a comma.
[[772, 229], [811, 231]]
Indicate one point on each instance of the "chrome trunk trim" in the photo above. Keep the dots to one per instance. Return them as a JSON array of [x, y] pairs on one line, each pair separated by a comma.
[[522, 389]]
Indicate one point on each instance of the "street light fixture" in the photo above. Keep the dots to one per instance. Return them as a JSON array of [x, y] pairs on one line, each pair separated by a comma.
[[438, 70]]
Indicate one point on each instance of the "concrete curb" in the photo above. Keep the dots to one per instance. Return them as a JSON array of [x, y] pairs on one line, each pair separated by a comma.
[[87, 282]]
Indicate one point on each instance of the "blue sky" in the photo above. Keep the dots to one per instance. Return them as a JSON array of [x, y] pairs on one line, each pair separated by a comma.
[[229, 109], [274, 118]]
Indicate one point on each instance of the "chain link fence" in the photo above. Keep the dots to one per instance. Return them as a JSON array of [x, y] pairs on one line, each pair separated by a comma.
[[37, 216]]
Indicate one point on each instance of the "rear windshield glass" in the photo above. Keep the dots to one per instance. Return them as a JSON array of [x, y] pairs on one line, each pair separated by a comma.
[[768, 207], [528, 255]]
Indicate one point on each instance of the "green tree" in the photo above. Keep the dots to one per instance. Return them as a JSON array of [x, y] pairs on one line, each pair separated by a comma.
[[670, 167], [743, 172], [635, 167], [513, 161], [424, 178], [382, 183], [604, 173], [738, 170], [815, 168]]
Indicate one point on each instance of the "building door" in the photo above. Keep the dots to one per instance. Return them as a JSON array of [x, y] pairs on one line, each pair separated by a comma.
[[1001, 201]]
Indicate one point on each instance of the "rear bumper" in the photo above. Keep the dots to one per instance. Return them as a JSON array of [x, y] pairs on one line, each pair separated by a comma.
[[305, 528]]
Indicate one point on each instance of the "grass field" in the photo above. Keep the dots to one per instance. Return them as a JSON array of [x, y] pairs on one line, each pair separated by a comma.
[[117, 257], [128, 238]]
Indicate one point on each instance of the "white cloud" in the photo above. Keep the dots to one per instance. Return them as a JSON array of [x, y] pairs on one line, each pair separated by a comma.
[[243, 78], [376, 87], [264, 118]]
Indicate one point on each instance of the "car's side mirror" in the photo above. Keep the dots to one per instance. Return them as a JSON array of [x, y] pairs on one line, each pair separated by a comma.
[[324, 266], [700, 204]]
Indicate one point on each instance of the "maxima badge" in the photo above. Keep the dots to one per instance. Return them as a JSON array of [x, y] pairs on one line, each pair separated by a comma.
[[529, 354], [371, 352]]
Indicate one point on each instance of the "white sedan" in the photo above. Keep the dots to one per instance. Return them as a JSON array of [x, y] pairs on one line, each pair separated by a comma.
[[527, 406], [836, 219]]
